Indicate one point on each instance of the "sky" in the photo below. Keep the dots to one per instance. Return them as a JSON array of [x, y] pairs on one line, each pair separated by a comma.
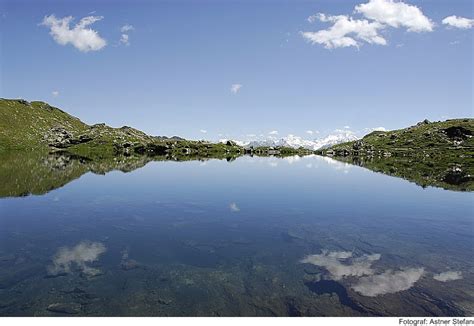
[[242, 69]]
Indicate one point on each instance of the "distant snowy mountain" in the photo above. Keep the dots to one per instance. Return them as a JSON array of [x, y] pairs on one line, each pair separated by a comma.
[[334, 139], [340, 136]]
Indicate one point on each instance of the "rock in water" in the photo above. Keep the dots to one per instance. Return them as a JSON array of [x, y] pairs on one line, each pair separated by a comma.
[[129, 264], [65, 308]]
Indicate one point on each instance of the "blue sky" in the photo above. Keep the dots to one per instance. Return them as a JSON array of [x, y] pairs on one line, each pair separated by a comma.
[[174, 76]]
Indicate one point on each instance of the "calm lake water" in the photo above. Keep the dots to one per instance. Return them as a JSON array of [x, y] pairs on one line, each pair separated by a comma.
[[252, 237]]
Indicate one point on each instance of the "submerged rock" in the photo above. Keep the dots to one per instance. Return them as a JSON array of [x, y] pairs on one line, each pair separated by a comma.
[[8, 257], [126, 263], [65, 308], [164, 301], [90, 273], [54, 275], [129, 264]]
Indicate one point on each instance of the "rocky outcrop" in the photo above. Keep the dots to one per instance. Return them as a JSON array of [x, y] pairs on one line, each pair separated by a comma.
[[60, 137], [458, 133]]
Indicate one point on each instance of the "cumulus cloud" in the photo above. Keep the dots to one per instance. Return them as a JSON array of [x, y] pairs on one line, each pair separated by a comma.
[[125, 38], [79, 255], [448, 276], [80, 36], [126, 28], [234, 208], [55, 93], [309, 132], [235, 88], [388, 282], [458, 22], [292, 159], [273, 132], [203, 131], [344, 131], [396, 14], [341, 264], [345, 32], [313, 18], [375, 129]]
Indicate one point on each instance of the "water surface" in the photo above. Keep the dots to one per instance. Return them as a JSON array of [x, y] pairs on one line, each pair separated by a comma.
[[252, 237]]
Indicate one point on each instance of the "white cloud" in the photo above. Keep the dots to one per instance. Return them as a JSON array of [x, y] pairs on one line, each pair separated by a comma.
[[234, 208], [375, 129], [347, 127], [312, 18], [273, 132], [312, 132], [344, 131], [388, 282], [55, 93], [292, 159], [448, 276], [124, 39], [396, 14], [126, 28], [341, 264], [345, 32], [79, 255], [80, 36], [235, 88], [203, 131], [458, 22]]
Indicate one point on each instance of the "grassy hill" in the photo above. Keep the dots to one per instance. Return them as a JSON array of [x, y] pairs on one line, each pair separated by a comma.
[[447, 138], [437, 154], [38, 126], [23, 125]]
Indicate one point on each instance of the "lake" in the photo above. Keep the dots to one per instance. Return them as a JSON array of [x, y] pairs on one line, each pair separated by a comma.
[[256, 236]]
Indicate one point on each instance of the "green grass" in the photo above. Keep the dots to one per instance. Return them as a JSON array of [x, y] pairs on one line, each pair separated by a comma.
[[427, 154], [23, 124], [424, 138]]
